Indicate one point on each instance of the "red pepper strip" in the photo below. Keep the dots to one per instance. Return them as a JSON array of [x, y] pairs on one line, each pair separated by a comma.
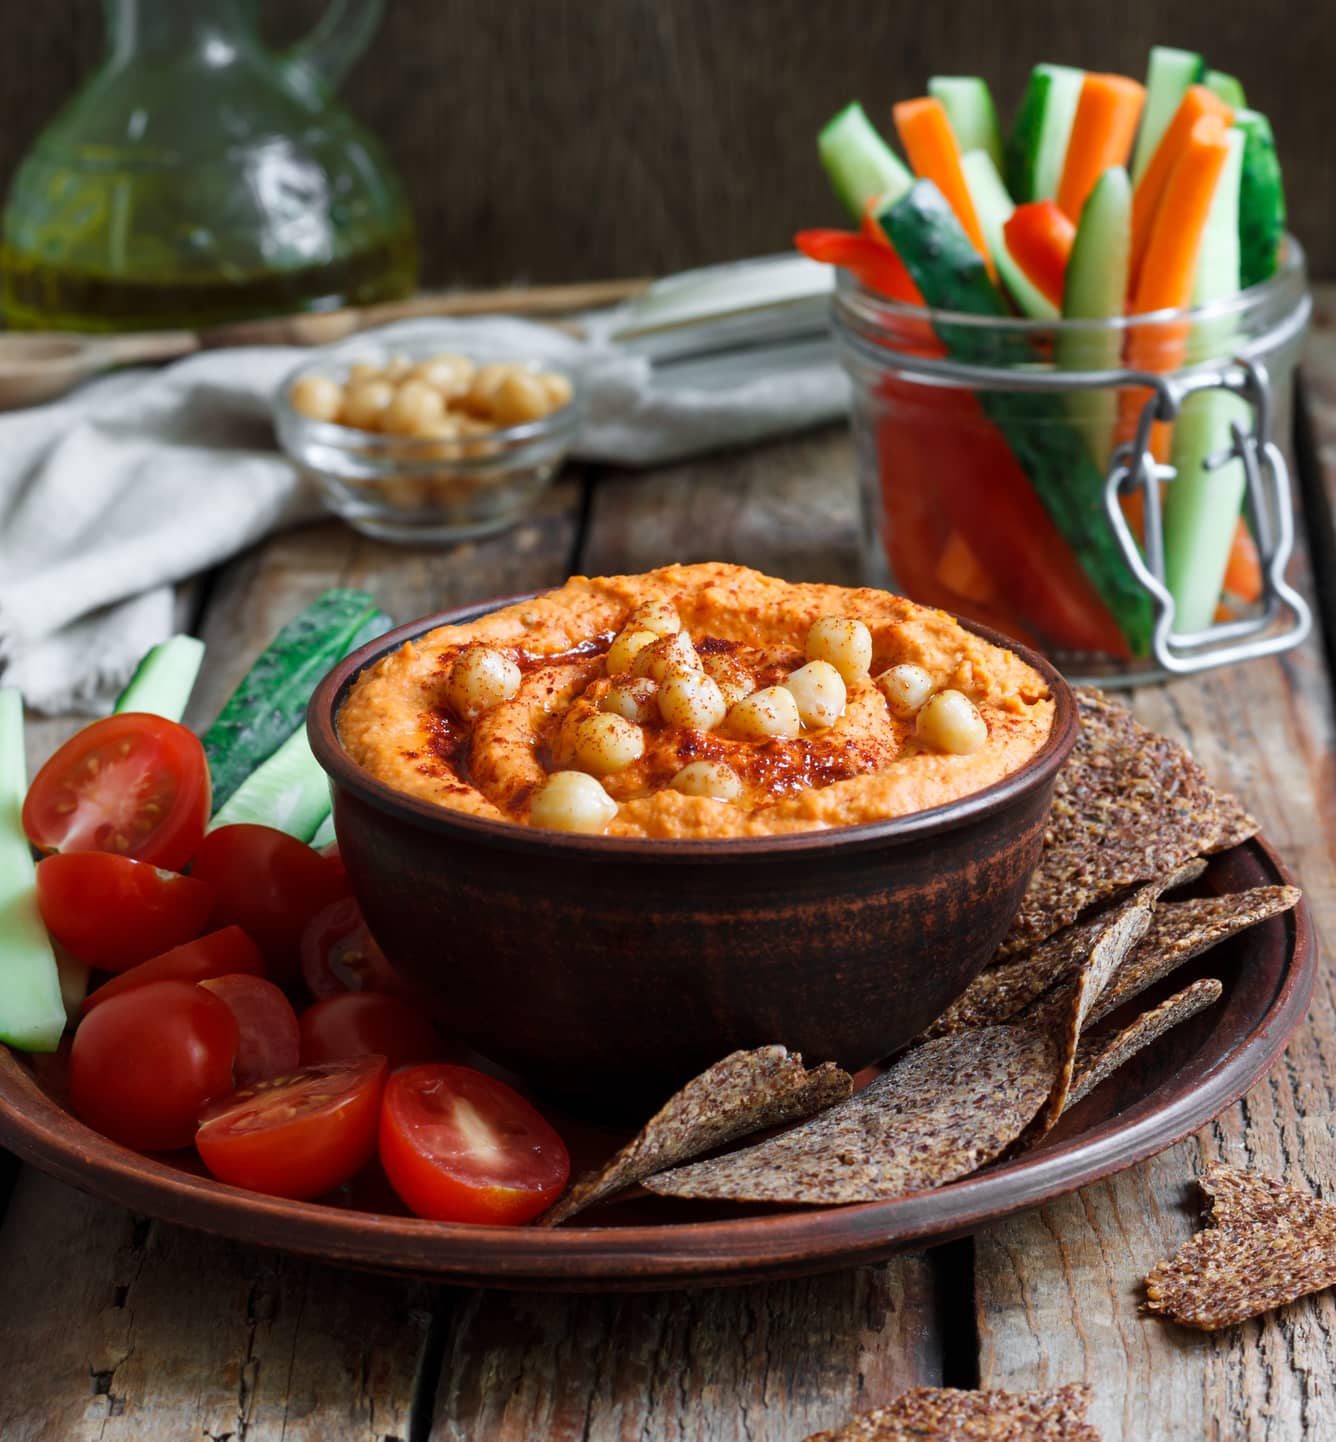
[[875, 264], [1039, 237]]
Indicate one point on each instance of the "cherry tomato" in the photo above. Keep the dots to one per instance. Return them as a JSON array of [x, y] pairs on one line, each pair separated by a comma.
[[143, 1065], [460, 1146], [357, 1022], [221, 953], [296, 1136], [270, 884], [339, 954], [112, 913], [133, 784], [270, 1042]]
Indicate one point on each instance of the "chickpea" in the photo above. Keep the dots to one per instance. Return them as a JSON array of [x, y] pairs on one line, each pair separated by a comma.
[[846, 644], [416, 407], [658, 616], [362, 371], [483, 387], [572, 801], [635, 698], [451, 375], [666, 655], [317, 397], [819, 690], [559, 389], [906, 688], [606, 743], [733, 679], [691, 699], [766, 713], [519, 399], [950, 721], [708, 778], [626, 647], [396, 369], [480, 679], [365, 403]]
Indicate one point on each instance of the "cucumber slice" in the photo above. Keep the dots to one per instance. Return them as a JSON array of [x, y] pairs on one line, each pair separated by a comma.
[[164, 679], [288, 792], [324, 835], [951, 274], [859, 163], [32, 1011], [270, 703], [969, 107], [1168, 76], [1201, 508], [1038, 144], [993, 206], [1228, 87], [1261, 200], [1096, 288]]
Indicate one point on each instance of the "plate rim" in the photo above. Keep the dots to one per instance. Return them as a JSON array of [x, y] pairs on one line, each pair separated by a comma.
[[653, 1256]]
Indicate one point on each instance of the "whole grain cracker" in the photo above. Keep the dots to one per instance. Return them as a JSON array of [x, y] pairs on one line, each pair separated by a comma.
[[946, 1414], [1129, 805], [940, 1112], [1266, 1244], [744, 1093], [1100, 1054]]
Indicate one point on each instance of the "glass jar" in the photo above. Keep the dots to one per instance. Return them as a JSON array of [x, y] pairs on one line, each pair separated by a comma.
[[1078, 484]]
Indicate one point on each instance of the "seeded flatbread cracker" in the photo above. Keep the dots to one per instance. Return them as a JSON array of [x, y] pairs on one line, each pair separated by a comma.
[[1129, 805], [1100, 1054], [1266, 1244], [940, 1112], [744, 1093], [944, 1414]]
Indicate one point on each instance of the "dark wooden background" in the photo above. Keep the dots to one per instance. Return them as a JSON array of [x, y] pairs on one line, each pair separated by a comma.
[[564, 139]]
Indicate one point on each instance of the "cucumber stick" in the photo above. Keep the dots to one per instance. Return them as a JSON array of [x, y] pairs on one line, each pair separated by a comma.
[[1168, 76], [1038, 144], [32, 1012], [969, 107], [289, 792], [993, 206], [1261, 200], [1202, 506], [164, 679], [950, 273], [1227, 87], [324, 835], [859, 163], [1095, 289]]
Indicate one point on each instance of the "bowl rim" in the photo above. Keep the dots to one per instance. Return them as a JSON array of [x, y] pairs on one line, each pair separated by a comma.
[[344, 772]]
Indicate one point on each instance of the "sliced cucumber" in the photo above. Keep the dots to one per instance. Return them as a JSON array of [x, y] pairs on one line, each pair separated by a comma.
[[993, 206], [1168, 76], [32, 1012], [1227, 87], [1261, 200], [1038, 144], [164, 679], [270, 703], [1201, 508], [289, 792], [1095, 289], [859, 163], [325, 836], [969, 107]]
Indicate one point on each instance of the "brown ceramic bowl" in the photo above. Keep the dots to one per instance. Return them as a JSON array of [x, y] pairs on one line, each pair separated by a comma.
[[608, 970]]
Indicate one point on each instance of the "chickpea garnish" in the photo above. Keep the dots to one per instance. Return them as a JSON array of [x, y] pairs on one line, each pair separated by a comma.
[[950, 721], [819, 690], [634, 697], [572, 801], [906, 688], [626, 647], [708, 778], [732, 677], [691, 699], [480, 679], [845, 643], [666, 655], [658, 616], [764, 714], [606, 743]]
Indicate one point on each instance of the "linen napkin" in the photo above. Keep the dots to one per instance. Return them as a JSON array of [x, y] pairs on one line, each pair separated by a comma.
[[111, 496]]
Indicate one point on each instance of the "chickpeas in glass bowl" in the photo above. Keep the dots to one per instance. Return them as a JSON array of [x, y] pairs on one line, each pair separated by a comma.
[[416, 443]]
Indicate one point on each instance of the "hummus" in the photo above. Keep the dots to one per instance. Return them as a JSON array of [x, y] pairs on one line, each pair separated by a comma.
[[870, 763]]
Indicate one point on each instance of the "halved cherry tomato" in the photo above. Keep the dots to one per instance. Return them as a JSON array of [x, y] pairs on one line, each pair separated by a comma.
[[270, 884], [112, 913], [339, 954], [143, 1065], [133, 784], [460, 1146], [221, 953], [356, 1023], [270, 1042], [296, 1136]]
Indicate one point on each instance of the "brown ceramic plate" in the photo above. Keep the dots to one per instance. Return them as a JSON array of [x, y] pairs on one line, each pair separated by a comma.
[[1162, 1096]]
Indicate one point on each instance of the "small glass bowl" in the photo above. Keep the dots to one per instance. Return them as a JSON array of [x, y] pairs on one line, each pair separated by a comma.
[[425, 489]]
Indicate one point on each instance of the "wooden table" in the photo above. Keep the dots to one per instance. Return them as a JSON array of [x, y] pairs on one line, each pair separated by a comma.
[[114, 1326]]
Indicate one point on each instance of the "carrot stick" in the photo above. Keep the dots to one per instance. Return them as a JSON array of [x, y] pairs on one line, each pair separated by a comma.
[[1102, 133], [1039, 238], [959, 570], [926, 134], [1243, 573], [1196, 104]]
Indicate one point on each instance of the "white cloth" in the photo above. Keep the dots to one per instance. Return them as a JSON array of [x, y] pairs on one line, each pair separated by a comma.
[[141, 479]]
